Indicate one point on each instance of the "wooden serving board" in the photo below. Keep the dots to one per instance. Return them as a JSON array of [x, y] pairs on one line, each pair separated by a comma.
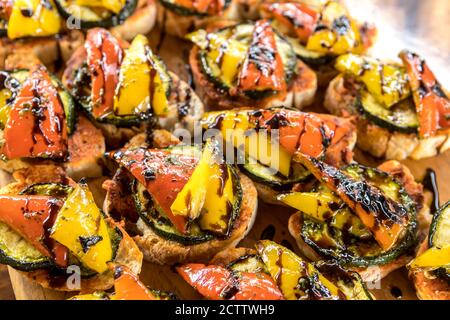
[[272, 220]]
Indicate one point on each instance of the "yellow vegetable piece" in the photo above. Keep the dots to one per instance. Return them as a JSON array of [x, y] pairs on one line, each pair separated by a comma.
[[256, 145], [387, 83], [317, 205], [133, 91], [218, 207], [286, 268], [433, 258], [81, 227], [33, 18], [189, 202], [341, 34], [5, 108], [112, 5], [161, 82], [226, 54], [92, 296]]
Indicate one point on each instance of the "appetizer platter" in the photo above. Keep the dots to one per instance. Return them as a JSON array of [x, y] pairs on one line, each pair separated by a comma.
[[223, 150]]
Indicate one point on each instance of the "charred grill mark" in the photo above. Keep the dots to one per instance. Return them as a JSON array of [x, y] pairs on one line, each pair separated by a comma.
[[88, 242], [371, 199], [277, 121], [232, 289]]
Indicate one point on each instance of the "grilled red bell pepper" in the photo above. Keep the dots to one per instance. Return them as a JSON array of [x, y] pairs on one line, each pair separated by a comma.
[[104, 57], [32, 217], [263, 67], [36, 126], [163, 178], [432, 104], [128, 287], [296, 16], [218, 283]]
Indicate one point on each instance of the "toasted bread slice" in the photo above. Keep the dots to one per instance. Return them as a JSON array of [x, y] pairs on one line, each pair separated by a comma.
[[127, 254], [375, 273], [300, 94], [378, 141]]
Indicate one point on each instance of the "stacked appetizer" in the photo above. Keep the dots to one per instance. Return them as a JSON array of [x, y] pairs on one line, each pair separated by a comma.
[[403, 110], [125, 87]]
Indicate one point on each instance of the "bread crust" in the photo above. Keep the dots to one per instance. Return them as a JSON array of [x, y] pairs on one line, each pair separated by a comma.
[[378, 141]]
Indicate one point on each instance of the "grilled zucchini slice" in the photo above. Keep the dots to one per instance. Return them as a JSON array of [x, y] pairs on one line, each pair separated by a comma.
[[401, 117]]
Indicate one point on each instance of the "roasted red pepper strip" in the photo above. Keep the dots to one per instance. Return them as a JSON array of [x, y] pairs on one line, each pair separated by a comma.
[[31, 217], [128, 287], [36, 126], [218, 283], [296, 16], [163, 178], [104, 57], [299, 131], [385, 218], [263, 67], [432, 104]]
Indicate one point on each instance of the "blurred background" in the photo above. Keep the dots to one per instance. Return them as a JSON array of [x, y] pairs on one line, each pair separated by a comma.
[[420, 25]]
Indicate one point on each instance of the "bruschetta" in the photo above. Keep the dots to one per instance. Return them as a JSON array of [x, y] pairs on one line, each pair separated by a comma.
[[183, 204], [430, 270], [124, 87], [364, 218], [249, 64], [54, 233], [266, 141], [319, 32], [271, 272], [39, 124], [402, 109]]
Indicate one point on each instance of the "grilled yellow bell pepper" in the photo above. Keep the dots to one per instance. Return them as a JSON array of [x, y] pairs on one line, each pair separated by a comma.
[[189, 202], [81, 227], [133, 91], [161, 86], [112, 5], [341, 34], [5, 108], [226, 54], [31, 18], [234, 127], [220, 198], [433, 258], [326, 207], [388, 83], [287, 269], [142, 77]]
